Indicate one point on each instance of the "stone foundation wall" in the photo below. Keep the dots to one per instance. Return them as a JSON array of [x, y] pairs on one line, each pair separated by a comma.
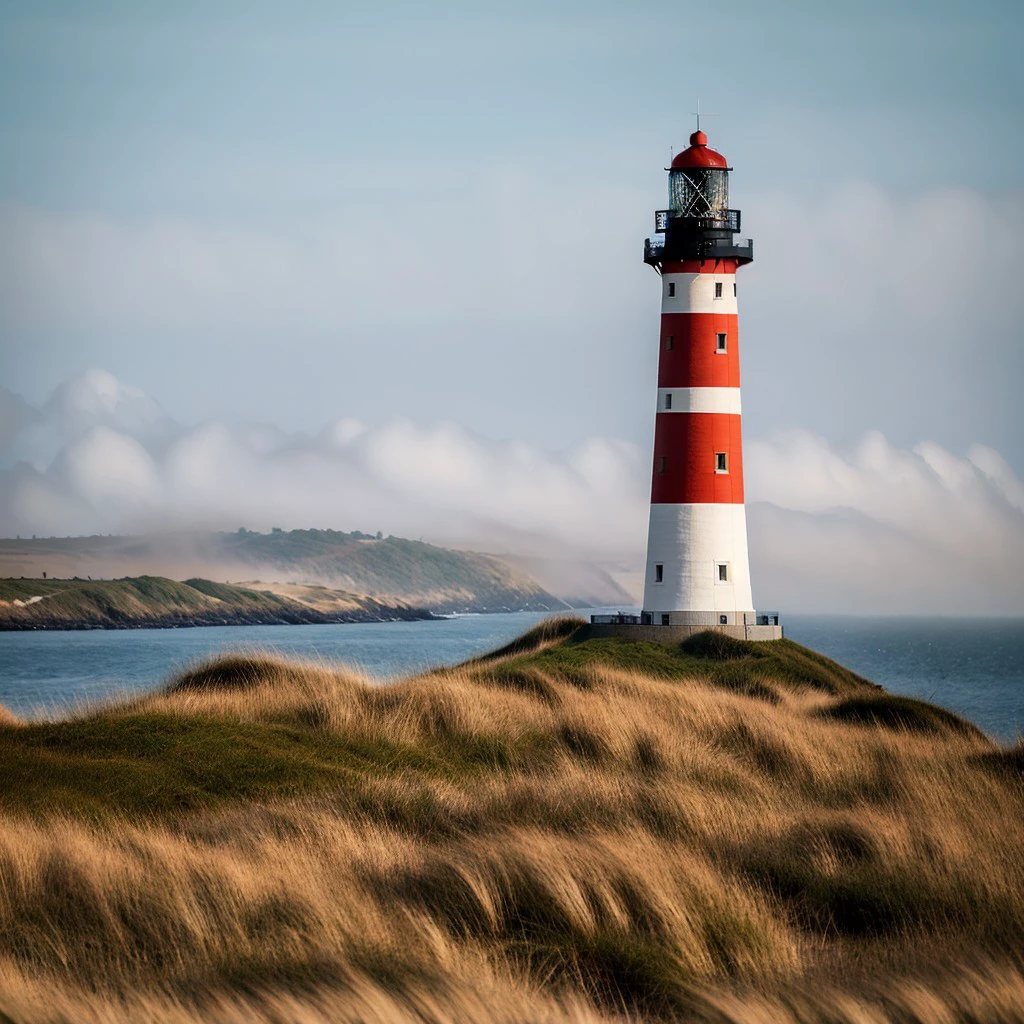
[[674, 634]]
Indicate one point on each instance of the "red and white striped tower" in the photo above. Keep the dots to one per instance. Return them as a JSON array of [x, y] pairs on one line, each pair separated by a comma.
[[697, 571]]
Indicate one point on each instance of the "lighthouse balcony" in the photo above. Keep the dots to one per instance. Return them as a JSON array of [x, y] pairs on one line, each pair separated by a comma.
[[616, 619], [741, 249], [674, 627], [653, 251], [723, 220], [728, 220]]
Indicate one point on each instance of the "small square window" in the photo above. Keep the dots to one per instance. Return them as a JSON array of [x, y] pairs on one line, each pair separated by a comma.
[[718, 289], [659, 572], [721, 340], [721, 462], [671, 289], [662, 464], [668, 399], [722, 571], [664, 620], [723, 620], [670, 343]]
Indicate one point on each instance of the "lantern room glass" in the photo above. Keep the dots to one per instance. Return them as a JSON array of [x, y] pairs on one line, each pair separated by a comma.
[[699, 192]]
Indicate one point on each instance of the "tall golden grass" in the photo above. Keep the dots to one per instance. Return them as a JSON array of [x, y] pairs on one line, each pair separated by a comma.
[[567, 831]]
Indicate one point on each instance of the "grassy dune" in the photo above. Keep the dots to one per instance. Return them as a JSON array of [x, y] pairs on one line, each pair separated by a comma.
[[563, 831]]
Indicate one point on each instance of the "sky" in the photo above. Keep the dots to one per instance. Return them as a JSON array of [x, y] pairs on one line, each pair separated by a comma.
[[270, 219]]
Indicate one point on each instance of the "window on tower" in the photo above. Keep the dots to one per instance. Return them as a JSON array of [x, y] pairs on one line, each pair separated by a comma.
[[721, 462], [665, 620], [659, 572], [734, 289], [662, 464], [668, 399], [670, 343], [718, 289], [671, 289], [723, 572], [723, 620], [720, 342]]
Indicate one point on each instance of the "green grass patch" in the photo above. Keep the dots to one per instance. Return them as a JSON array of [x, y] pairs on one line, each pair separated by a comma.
[[159, 764], [754, 669]]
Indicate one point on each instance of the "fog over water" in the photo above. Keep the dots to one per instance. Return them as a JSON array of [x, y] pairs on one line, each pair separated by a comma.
[[871, 528]]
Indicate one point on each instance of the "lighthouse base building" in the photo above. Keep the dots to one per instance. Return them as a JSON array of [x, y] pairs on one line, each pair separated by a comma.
[[697, 575]]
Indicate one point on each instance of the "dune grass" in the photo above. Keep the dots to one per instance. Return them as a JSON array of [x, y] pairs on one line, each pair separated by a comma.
[[566, 830]]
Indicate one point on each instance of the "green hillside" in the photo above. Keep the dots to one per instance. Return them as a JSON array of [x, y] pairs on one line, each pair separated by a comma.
[[390, 567]]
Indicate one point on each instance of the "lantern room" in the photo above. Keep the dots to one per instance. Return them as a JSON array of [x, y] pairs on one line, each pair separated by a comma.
[[698, 182], [698, 224]]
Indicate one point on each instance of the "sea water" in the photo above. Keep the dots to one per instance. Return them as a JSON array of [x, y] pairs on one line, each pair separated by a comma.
[[972, 666]]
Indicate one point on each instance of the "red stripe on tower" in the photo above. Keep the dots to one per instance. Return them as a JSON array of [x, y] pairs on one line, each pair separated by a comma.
[[698, 457], [693, 353]]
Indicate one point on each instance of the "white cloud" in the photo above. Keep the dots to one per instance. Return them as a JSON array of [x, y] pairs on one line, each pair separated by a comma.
[[97, 396], [868, 307], [517, 304], [440, 481], [876, 528], [884, 529], [110, 471], [863, 305], [999, 474]]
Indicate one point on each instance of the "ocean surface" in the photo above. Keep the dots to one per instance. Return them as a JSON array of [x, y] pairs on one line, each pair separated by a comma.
[[972, 666]]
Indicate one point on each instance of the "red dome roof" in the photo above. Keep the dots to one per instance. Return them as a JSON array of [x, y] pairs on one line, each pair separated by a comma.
[[698, 155]]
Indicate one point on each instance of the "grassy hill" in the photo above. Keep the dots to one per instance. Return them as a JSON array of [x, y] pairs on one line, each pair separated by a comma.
[[392, 568], [155, 601], [566, 830], [389, 569]]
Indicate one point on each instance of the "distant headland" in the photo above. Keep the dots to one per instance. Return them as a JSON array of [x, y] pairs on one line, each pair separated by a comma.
[[300, 576], [154, 602]]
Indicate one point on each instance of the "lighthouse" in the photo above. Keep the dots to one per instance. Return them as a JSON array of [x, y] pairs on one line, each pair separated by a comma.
[[697, 574]]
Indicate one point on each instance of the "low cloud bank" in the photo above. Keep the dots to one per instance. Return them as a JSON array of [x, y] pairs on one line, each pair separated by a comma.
[[885, 530], [877, 529], [558, 294], [102, 458]]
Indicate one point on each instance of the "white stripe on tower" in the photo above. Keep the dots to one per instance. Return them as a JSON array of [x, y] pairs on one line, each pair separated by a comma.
[[725, 400], [690, 542], [695, 293]]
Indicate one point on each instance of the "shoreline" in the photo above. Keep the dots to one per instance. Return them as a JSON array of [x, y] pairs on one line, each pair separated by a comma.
[[312, 618], [155, 602], [83, 626]]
